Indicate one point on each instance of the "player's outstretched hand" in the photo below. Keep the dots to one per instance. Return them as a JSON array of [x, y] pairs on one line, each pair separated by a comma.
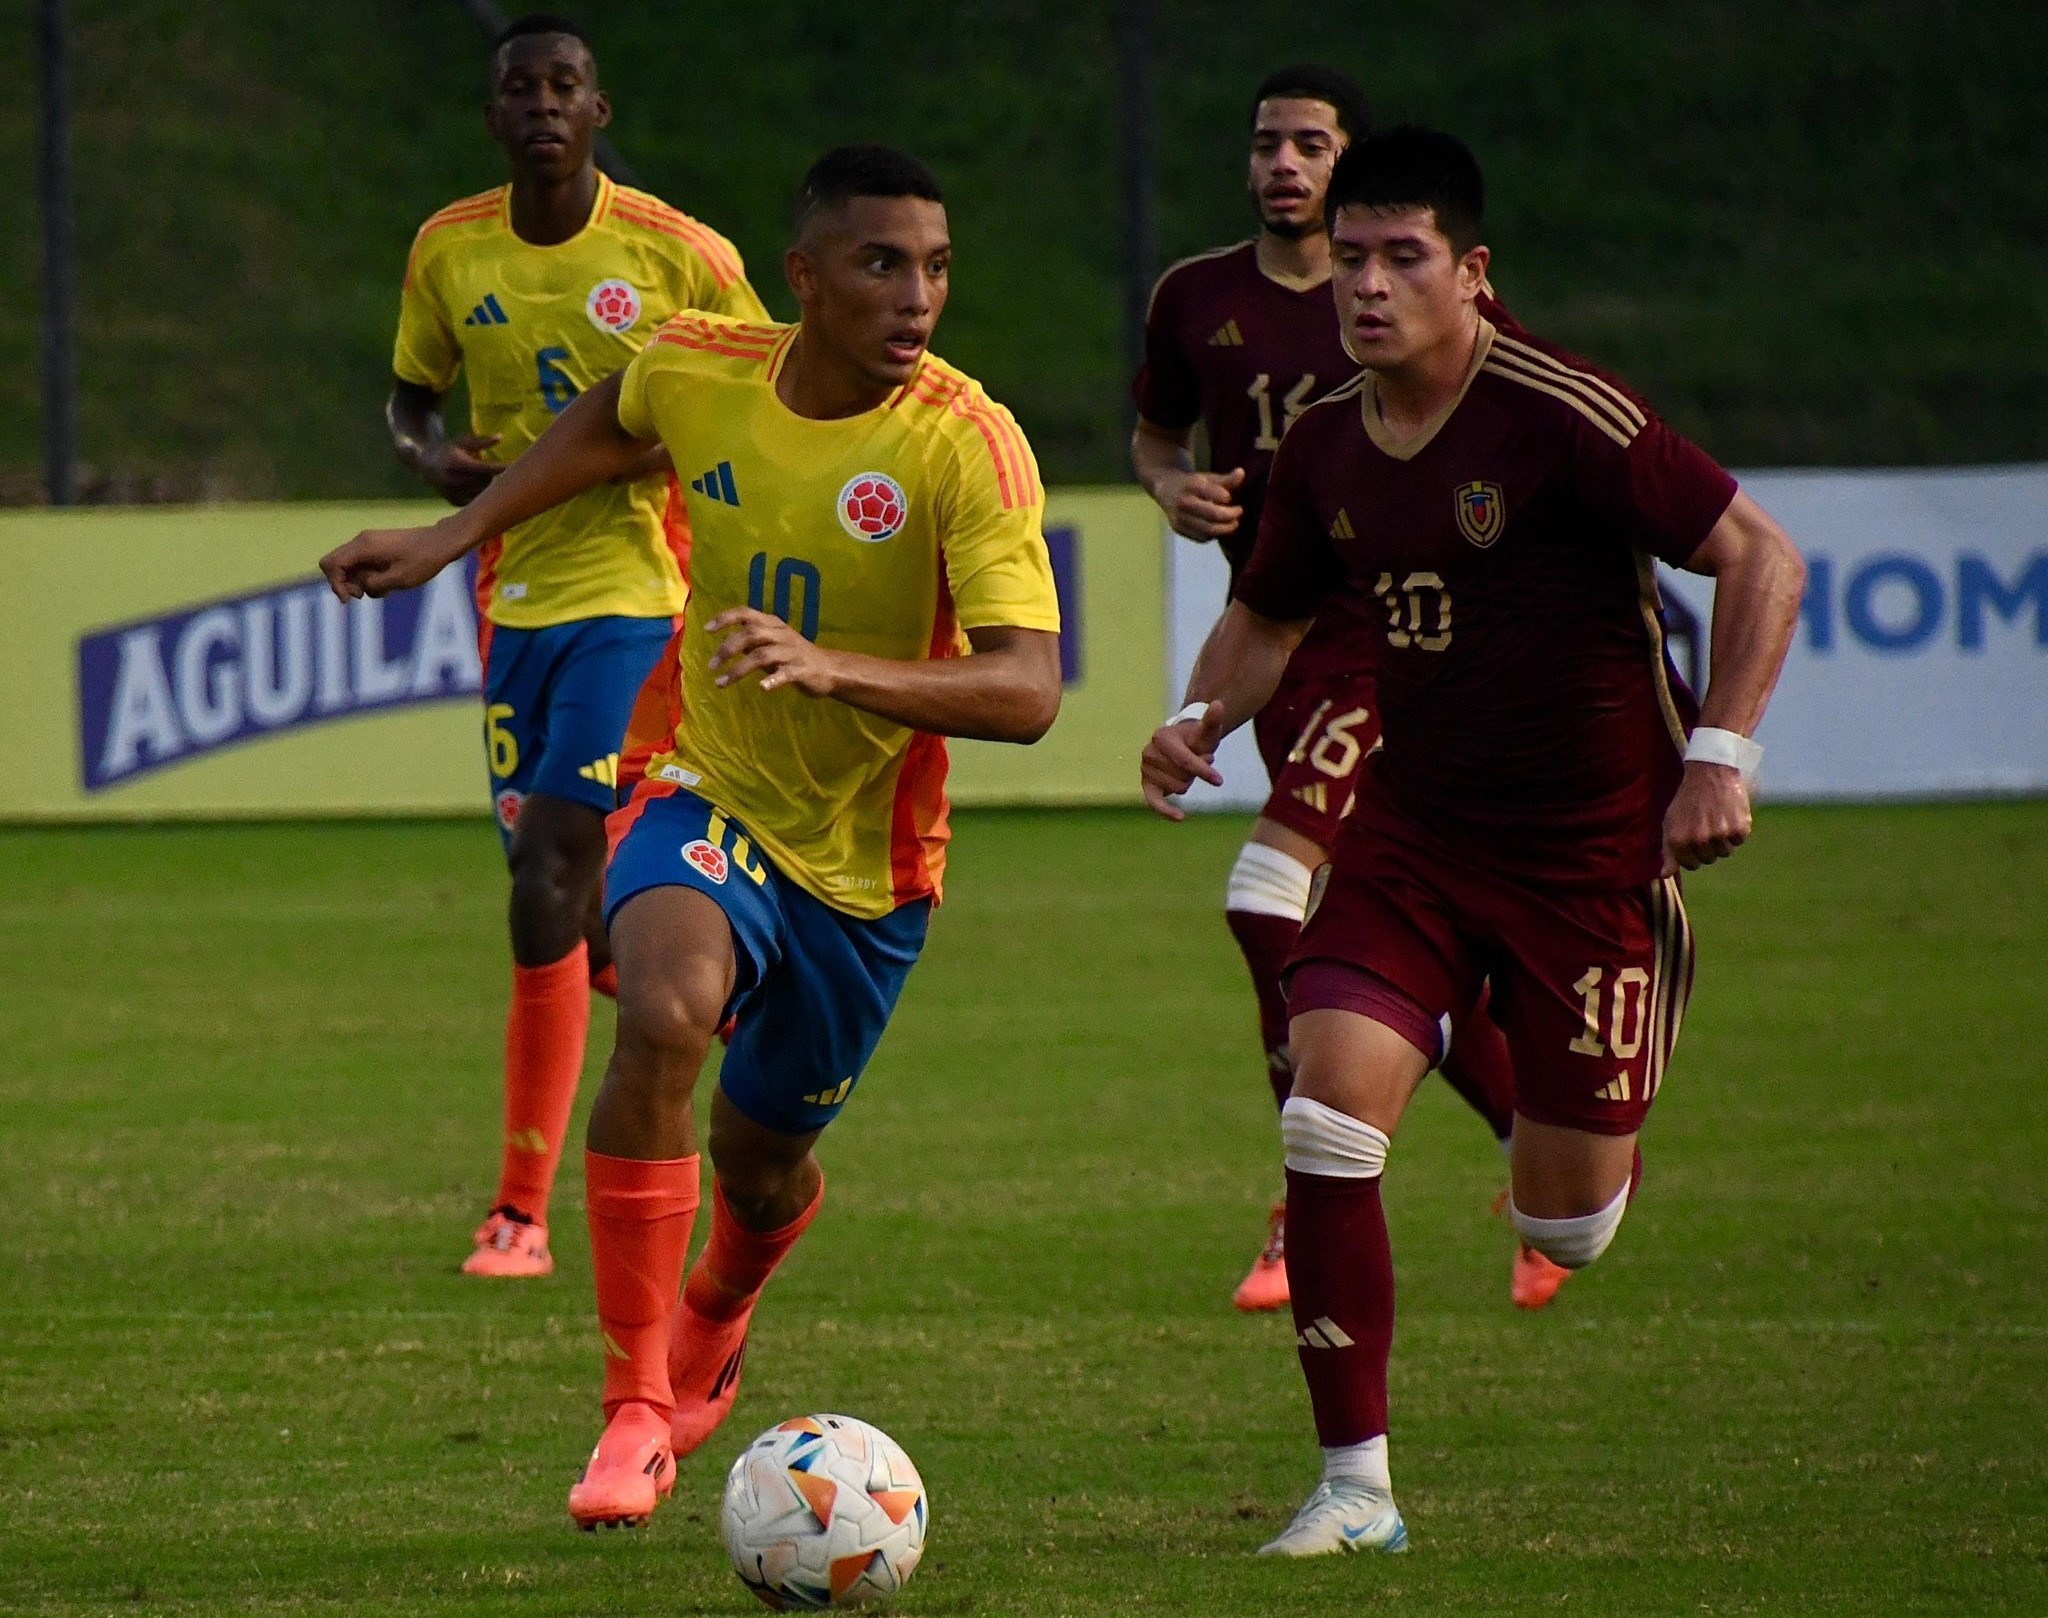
[[1202, 505], [1177, 756], [1708, 819], [381, 560], [760, 643], [456, 467]]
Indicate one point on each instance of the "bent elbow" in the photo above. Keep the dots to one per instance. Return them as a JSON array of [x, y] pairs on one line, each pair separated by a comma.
[[1037, 713]]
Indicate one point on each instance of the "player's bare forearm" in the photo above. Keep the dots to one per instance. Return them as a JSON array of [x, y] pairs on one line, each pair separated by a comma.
[[1758, 582], [584, 446], [1235, 675], [1008, 691], [1241, 662], [1200, 505], [454, 468]]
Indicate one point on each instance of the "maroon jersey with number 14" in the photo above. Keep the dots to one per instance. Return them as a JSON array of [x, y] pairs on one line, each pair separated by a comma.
[[1230, 347], [1532, 720]]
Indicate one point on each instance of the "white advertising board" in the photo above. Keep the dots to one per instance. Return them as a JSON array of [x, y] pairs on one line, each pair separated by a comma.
[[1920, 665]]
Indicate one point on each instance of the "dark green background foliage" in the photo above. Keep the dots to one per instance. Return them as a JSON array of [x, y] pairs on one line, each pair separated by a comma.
[[1812, 235]]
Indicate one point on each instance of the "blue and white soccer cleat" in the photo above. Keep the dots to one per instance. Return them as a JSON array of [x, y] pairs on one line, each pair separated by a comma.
[[1347, 1515]]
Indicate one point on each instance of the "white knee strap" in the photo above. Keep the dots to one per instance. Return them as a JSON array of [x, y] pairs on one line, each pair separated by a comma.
[[1266, 882], [1322, 1140], [1573, 1243]]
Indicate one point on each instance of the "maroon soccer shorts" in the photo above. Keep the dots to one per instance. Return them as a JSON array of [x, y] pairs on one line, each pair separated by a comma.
[[1588, 985], [1315, 736]]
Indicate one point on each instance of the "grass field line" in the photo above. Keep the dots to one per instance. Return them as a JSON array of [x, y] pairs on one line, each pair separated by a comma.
[[2005, 1331]]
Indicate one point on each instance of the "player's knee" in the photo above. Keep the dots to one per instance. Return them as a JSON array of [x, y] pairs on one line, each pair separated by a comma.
[[1323, 1141], [668, 1024], [1573, 1243], [756, 1186], [1267, 882], [554, 876]]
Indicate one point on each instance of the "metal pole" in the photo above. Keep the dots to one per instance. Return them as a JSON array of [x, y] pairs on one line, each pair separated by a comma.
[[1137, 140], [492, 20], [53, 177]]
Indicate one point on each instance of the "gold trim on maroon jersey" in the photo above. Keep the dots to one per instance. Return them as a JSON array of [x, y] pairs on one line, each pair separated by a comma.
[[1649, 600], [1406, 449], [1670, 978], [1602, 404], [1179, 264], [1482, 512]]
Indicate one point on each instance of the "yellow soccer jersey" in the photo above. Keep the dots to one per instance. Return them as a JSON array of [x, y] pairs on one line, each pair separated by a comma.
[[889, 533], [533, 327]]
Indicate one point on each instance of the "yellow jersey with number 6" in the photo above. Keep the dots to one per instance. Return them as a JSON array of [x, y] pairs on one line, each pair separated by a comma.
[[889, 533], [531, 327]]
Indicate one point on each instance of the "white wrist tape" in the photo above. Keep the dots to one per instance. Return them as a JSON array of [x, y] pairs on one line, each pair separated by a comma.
[[1711, 746], [1193, 710]]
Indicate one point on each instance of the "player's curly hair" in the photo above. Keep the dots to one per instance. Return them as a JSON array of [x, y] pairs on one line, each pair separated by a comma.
[[1311, 81], [847, 172], [1413, 167], [539, 22]]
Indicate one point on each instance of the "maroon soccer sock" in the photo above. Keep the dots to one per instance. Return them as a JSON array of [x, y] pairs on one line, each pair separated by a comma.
[[1266, 942], [1340, 1276], [1479, 1069]]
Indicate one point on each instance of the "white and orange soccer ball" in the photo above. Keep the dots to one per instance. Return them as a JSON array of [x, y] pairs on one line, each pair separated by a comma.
[[824, 1511]]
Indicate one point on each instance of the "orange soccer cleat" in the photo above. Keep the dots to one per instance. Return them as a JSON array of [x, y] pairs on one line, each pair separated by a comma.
[[704, 1361], [1535, 1279], [1265, 1286], [510, 1244], [630, 1472]]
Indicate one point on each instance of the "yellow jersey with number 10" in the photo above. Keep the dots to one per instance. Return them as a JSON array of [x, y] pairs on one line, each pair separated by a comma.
[[532, 327], [889, 533]]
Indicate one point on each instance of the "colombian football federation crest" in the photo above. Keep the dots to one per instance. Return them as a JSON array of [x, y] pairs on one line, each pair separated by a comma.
[[613, 306], [873, 507], [508, 807], [708, 858], [1482, 513]]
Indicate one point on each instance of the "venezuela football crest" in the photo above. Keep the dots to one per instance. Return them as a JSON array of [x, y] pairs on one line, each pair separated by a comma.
[[1482, 513]]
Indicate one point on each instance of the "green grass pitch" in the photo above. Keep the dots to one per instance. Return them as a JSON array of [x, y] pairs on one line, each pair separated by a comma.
[[248, 1117]]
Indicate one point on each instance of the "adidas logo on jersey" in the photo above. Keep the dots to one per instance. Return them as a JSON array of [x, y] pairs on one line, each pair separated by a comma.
[[1323, 1332], [1227, 336], [1618, 1090], [1341, 528], [604, 771], [488, 313], [717, 484]]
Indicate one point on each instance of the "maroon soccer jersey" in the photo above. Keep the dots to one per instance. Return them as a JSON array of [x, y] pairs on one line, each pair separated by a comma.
[[1531, 716], [1228, 346]]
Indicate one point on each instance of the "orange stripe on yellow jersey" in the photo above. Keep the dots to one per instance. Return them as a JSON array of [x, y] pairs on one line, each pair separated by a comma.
[[526, 327], [850, 806]]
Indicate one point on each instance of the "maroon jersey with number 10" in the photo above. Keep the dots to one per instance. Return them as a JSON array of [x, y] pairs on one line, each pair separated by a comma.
[[1230, 347], [1532, 719]]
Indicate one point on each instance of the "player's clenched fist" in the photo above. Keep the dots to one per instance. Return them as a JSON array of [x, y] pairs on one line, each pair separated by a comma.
[[1202, 505], [1180, 753], [1708, 819], [760, 643], [381, 560]]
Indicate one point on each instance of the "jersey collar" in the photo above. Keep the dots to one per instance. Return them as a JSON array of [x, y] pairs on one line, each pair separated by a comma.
[[1406, 449]]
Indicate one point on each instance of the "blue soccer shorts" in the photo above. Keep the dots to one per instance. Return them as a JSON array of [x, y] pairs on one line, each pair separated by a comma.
[[813, 987], [556, 703]]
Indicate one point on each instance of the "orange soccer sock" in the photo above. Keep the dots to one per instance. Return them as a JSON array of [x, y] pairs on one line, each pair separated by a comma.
[[605, 980], [736, 1262], [640, 1219], [544, 1034]]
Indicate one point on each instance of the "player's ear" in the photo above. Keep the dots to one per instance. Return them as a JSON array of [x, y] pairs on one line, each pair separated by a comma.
[[797, 271], [602, 119], [1472, 271]]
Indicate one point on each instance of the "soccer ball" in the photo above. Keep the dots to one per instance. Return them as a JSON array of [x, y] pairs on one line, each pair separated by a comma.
[[823, 1511]]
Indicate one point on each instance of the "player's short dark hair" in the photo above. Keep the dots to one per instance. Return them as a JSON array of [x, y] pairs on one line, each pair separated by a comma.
[[1412, 167], [540, 22], [1311, 81], [847, 172]]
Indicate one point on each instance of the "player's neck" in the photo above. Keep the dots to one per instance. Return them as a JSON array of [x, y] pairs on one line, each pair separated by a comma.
[[1299, 262], [547, 212], [1413, 394], [812, 386]]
